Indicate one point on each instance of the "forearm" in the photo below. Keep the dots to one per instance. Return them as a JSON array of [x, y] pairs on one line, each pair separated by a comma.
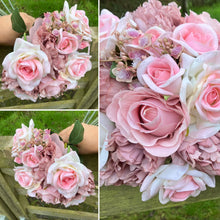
[[89, 144], [8, 35]]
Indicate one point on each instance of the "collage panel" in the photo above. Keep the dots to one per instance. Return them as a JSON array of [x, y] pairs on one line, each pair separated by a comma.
[[48, 167], [109, 109], [159, 109], [49, 54]]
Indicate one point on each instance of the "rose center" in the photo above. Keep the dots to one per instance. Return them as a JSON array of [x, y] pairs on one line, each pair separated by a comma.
[[213, 96], [159, 73], [148, 113], [28, 69], [65, 44]]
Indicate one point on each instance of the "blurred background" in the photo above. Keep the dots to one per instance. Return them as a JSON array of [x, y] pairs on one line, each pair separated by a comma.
[[208, 210]]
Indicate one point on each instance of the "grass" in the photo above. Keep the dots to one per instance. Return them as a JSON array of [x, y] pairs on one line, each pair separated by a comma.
[[56, 121], [36, 8], [208, 210], [213, 10]]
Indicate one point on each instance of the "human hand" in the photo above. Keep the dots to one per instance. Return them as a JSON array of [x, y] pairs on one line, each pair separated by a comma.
[[8, 35], [89, 143]]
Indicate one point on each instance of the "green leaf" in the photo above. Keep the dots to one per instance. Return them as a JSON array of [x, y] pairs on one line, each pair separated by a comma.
[[17, 21], [74, 148], [114, 64], [166, 97], [25, 36], [77, 133]]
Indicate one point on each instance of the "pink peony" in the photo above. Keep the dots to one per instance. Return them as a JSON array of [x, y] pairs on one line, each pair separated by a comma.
[[108, 88], [202, 154], [175, 183], [153, 13], [128, 163], [141, 115], [162, 75], [118, 173]]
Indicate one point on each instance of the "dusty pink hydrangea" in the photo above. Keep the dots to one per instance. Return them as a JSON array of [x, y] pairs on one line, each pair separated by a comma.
[[202, 154], [128, 163], [108, 87], [153, 13]]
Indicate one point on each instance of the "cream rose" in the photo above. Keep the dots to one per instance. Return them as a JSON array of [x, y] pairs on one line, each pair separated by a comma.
[[200, 91], [175, 183], [67, 175], [27, 64]]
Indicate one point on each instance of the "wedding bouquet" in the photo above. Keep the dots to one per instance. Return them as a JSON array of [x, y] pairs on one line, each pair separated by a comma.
[[48, 170], [52, 58], [160, 101]]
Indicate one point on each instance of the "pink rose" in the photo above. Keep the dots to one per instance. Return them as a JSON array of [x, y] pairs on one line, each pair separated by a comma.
[[203, 154], [76, 68], [107, 27], [24, 176], [144, 117], [27, 64], [30, 158], [196, 38], [208, 102], [175, 183], [162, 75], [67, 174], [67, 42], [204, 18], [50, 87], [49, 195]]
